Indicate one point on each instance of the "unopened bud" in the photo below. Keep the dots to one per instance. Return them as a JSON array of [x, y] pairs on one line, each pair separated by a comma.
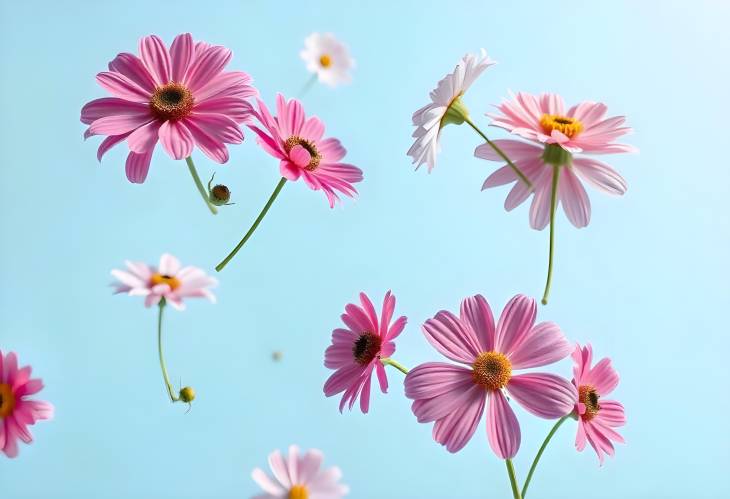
[[187, 394], [219, 195]]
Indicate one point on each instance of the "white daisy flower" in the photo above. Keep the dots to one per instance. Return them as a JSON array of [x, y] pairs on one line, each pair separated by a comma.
[[328, 58]]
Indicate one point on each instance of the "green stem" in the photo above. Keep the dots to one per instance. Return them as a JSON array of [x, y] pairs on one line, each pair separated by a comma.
[[501, 153], [513, 479], [387, 361], [199, 185], [539, 453], [553, 208], [307, 86], [256, 223], [173, 397]]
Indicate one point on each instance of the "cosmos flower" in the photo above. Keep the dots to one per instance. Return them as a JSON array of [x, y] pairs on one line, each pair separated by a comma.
[[180, 96], [298, 143], [170, 280], [17, 411], [597, 417], [455, 397], [328, 58], [299, 477], [356, 350], [445, 108]]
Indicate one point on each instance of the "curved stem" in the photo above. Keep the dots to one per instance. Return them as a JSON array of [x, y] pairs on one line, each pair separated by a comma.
[[387, 361], [307, 86], [256, 223], [513, 479], [553, 208], [539, 453], [173, 397], [199, 184], [501, 153]]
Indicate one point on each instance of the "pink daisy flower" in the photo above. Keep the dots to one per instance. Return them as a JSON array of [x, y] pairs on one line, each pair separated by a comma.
[[180, 96], [297, 142], [17, 412], [455, 397], [356, 350], [597, 417], [299, 477], [170, 280]]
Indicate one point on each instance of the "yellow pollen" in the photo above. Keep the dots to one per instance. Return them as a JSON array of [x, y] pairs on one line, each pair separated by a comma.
[[588, 396], [298, 492], [492, 370], [7, 400], [171, 281], [172, 102], [569, 127], [325, 61], [309, 146]]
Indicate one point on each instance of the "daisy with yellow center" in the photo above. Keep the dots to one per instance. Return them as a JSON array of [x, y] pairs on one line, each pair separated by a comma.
[[328, 59]]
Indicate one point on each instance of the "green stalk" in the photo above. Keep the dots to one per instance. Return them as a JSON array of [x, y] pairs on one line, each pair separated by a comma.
[[553, 208], [199, 185], [539, 453]]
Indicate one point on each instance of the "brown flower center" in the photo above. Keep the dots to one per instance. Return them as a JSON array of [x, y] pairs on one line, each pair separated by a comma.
[[171, 281], [298, 492], [7, 400], [569, 127], [171, 102], [366, 348], [325, 60], [492, 370], [309, 146], [588, 396]]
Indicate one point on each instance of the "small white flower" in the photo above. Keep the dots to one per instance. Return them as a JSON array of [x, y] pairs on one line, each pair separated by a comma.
[[433, 116], [329, 58]]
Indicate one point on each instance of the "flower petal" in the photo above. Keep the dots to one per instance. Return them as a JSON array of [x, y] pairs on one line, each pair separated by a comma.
[[177, 139], [181, 54], [156, 58], [456, 429], [206, 66], [515, 323], [121, 86], [600, 175], [475, 312], [432, 379], [574, 199], [449, 336], [137, 166], [543, 345], [112, 106], [503, 430], [544, 395]]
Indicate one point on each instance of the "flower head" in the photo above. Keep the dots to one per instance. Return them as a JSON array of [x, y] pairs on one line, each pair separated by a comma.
[[298, 143], [299, 477], [356, 350], [180, 96], [445, 107], [454, 397], [597, 417], [328, 58], [170, 280], [17, 411]]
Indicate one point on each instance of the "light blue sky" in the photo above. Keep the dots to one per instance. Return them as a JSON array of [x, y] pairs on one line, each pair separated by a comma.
[[646, 282]]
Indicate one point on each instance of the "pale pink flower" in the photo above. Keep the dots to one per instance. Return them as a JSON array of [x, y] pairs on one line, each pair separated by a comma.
[[356, 350], [170, 280], [180, 96], [455, 397], [328, 58], [299, 477], [17, 411], [431, 118], [597, 417], [297, 142]]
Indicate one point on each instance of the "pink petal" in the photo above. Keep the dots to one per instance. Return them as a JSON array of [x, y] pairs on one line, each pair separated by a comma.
[[112, 106], [332, 150], [137, 166], [312, 129], [177, 139], [108, 143], [611, 413], [541, 202], [450, 337], [121, 86], [440, 406], [133, 68], [299, 156], [503, 430], [514, 149], [382, 377], [119, 124], [515, 323], [432, 379], [229, 84], [266, 483], [169, 265], [289, 170], [156, 58], [600, 175], [543, 345], [456, 429], [603, 377], [544, 395], [278, 466], [342, 379], [574, 199], [181, 54], [218, 126], [475, 312], [211, 147], [235, 108], [206, 66], [144, 138], [365, 396]]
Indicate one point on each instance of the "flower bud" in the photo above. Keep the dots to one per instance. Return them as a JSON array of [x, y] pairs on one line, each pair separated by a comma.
[[219, 195], [187, 394]]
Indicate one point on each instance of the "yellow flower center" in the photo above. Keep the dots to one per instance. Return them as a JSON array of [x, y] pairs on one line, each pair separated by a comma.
[[7, 400], [588, 396], [298, 492], [171, 281], [309, 146], [492, 370], [569, 127], [172, 102], [366, 348], [325, 61]]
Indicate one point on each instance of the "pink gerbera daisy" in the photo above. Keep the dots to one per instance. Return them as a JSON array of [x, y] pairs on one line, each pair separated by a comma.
[[170, 280], [180, 96], [454, 397], [299, 477], [297, 142], [357, 350], [17, 412], [597, 417]]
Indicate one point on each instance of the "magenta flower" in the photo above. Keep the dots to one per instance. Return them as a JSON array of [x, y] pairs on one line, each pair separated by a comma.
[[597, 417], [299, 477], [356, 351], [17, 411], [297, 142], [170, 280], [454, 397], [180, 96]]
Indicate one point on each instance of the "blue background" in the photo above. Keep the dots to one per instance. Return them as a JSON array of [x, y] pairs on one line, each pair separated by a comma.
[[646, 282]]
